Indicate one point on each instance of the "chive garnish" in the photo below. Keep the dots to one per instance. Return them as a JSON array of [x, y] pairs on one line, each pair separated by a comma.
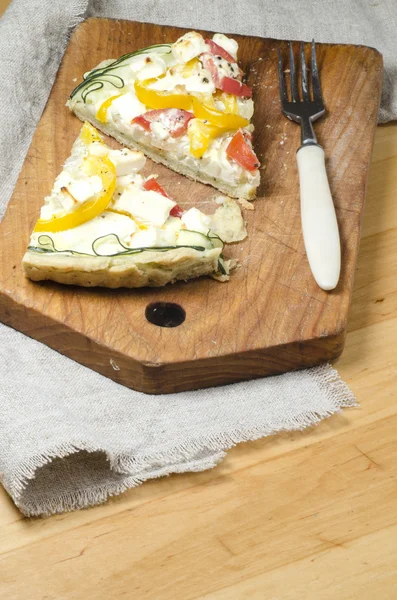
[[49, 246], [95, 80]]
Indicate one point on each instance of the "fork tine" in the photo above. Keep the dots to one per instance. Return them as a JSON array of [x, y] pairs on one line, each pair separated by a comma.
[[294, 85], [315, 76], [283, 90], [305, 90]]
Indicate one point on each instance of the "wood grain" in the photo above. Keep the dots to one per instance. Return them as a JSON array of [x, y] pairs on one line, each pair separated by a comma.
[[271, 317], [303, 516]]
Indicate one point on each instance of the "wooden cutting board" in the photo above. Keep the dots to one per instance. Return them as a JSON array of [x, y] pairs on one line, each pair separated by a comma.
[[270, 317]]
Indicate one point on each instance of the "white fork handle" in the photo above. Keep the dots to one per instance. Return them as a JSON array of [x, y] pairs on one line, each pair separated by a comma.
[[319, 224]]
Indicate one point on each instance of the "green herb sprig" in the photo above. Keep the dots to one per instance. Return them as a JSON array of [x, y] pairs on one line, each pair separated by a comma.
[[95, 80], [46, 240], [49, 246], [129, 251]]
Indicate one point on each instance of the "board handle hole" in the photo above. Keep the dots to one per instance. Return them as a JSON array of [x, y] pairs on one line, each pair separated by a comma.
[[165, 314]]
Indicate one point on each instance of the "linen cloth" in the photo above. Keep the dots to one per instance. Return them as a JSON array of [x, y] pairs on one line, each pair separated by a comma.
[[70, 438]]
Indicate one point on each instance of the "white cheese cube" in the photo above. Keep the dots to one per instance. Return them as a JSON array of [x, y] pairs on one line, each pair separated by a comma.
[[98, 149], [147, 206], [188, 46], [228, 44], [127, 107], [127, 161], [83, 189], [195, 220]]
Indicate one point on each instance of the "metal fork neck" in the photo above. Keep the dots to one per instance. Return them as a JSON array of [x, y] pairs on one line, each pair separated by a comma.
[[308, 136]]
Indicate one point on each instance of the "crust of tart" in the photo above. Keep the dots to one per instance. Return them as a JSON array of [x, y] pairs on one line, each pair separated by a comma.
[[160, 156], [151, 269]]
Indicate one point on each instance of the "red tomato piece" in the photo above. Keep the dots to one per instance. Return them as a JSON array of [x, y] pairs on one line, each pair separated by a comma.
[[209, 64], [235, 87], [226, 84], [177, 211], [217, 50], [240, 150], [175, 120], [140, 120], [151, 185]]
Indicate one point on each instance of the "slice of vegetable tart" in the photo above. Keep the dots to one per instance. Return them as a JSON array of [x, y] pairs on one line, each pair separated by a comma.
[[183, 104], [105, 224]]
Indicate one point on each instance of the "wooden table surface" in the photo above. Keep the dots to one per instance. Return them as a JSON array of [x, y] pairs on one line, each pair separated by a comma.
[[309, 516]]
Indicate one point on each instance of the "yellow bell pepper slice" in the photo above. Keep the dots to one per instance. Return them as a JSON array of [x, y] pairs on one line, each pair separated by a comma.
[[102, 113], [89, 134], [218, 118], [160, 99], [99, 165], [200, 135]]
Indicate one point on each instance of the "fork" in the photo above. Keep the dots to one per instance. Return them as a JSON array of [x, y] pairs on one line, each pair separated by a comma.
[[318, 218]]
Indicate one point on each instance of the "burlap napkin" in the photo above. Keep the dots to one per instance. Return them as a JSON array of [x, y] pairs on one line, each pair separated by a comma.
[[70, 438]]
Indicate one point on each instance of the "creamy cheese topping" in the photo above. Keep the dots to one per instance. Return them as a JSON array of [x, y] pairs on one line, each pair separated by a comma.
[[159, 130], [199, 82], [80, 239], [154, 237], [153, 66], [226, 69]]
